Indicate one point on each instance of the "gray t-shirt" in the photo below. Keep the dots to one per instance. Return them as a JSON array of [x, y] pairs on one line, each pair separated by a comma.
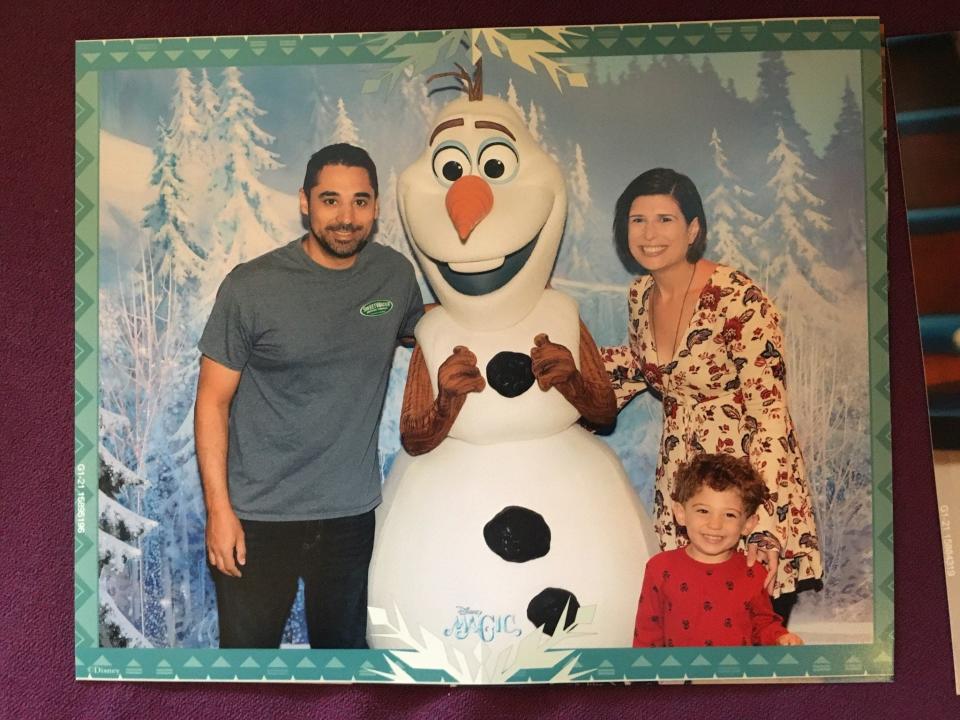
[[314, 347]]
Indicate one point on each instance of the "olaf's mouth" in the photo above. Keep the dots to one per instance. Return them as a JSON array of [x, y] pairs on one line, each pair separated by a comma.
[[484, 276]]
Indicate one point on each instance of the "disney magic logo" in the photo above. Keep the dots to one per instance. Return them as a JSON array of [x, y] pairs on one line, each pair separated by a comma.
[[486, 626]]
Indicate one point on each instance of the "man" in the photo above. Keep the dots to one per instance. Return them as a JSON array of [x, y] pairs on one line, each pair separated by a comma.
[[296, 357]]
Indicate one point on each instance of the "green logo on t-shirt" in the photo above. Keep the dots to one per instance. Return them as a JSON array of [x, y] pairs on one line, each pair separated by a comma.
[[376, 307]]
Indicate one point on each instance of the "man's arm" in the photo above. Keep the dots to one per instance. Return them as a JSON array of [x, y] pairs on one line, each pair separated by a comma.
[[215, 389]]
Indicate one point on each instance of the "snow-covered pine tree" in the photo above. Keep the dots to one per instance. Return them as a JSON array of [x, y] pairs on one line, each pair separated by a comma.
[[796, 269], [842, 184], [246, 226], [389, 227], [580, 201], [321, 119], [119, 525], [537, 125], [573, 264], [708, 71], [208, 109], [593, 73], [733, 226], [416, 97], [775, 108], [181, 261], [166, 218], [514, 102], [633, 71], [120, 529], [533, 122], [208, 103], [186, 121], [204, 160], [187, 133], [344, 129]]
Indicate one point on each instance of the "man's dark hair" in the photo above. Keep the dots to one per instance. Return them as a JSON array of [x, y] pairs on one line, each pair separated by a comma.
[[659, 181], [339, 154], [719, 471]]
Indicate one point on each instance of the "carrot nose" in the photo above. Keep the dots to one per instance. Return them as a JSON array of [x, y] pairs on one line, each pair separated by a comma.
[[469, 200]]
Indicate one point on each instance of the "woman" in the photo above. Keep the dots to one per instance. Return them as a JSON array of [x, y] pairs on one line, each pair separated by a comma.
[[706, 339]]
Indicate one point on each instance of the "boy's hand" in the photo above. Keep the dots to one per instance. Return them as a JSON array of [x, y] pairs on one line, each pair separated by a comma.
[[789, 638]]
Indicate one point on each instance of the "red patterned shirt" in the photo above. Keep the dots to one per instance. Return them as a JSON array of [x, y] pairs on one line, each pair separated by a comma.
[[686, 602]]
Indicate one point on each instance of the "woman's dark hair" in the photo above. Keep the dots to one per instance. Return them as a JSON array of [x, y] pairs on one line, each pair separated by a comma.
[[659, 181]]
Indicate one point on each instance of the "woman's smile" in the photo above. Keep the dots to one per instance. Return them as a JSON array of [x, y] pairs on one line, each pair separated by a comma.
[[658, 235]]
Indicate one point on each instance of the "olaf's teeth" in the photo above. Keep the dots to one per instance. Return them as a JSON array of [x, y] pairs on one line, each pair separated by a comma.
[[477, 266]]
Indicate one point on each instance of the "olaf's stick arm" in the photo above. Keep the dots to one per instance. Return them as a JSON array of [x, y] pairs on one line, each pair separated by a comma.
[[587, 389], [424, 420]]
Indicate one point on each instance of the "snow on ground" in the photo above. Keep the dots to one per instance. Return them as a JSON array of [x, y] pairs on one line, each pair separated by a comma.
[[125, 190]]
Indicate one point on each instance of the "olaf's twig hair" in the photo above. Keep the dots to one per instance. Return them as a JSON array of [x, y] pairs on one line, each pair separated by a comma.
[[472, 85]]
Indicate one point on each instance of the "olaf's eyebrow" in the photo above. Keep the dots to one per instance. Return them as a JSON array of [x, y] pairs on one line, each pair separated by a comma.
[[490, 125], [445, 125]]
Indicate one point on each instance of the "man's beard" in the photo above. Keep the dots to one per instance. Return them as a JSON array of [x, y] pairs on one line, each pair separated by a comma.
[[340, 251]]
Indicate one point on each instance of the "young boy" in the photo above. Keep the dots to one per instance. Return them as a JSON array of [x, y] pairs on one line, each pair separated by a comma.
[[704, 593]]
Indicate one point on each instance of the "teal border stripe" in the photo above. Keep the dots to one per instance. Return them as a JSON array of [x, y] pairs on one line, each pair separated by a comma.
[[584, 41], [158, 53], [86, 358], [841, 662], [733, 36], [824, 661], [874, 143]]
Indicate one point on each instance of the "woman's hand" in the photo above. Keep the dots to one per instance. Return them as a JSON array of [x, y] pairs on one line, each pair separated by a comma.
[[769, 557]]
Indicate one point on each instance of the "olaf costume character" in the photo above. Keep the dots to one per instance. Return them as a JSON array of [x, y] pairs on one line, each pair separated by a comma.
[[506, 515]]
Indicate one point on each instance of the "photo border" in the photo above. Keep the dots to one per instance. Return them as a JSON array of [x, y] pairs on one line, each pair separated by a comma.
[[872, 661]]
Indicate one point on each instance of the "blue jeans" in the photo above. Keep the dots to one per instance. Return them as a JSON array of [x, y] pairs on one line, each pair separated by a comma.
[[332, 558]]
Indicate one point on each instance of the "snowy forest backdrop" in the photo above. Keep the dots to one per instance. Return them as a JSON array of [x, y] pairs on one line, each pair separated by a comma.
[[200, 171]]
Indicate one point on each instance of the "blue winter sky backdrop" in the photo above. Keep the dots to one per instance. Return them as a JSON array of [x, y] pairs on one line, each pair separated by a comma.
[[816, 86]]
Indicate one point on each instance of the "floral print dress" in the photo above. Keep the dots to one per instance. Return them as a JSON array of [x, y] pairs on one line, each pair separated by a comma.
[[724, 391]]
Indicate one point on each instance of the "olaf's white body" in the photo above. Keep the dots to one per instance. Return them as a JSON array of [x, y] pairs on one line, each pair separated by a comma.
[[488, 417], [431, 561]]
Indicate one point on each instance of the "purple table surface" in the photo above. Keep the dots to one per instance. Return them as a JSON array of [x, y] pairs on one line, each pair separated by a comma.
[[36, 302]]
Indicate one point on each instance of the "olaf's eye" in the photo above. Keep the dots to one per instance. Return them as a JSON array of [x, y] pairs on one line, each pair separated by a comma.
[[498, 161], [450, 163]]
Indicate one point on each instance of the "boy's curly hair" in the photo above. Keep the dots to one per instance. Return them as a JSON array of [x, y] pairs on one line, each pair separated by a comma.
[[720, 471]]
